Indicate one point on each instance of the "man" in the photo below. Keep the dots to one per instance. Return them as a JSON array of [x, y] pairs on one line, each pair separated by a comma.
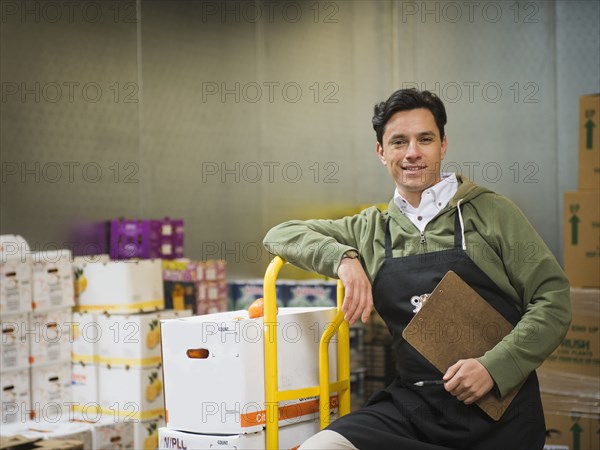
[[435, 223]]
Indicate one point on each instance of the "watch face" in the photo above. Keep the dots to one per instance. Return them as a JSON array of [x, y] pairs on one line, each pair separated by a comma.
[[352, 254]]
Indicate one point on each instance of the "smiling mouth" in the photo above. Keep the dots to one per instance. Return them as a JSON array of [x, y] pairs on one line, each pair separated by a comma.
[[413, 168]]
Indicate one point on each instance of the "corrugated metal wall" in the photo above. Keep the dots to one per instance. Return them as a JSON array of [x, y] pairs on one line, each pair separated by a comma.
[[238, 115]]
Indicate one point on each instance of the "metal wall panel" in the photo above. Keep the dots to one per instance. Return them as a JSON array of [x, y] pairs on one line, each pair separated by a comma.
[[238, 115]]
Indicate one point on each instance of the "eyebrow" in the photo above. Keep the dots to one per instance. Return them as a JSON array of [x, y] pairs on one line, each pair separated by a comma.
[[421, 134]]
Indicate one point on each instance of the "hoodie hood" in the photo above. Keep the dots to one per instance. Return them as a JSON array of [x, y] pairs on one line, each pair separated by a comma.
[[466, 192]]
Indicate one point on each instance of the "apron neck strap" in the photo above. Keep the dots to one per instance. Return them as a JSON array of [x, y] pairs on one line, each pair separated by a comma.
[[459, 235]]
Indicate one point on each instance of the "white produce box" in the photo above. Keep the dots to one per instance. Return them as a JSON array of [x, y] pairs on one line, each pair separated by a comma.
[[51, 429], [290, 438], [50, 336], [84, 391], [145, 433], [14, 344], [222, 391], [14, 395], [85, 336], [52, 280], [15, 284], [51, 391], [134, 339], [131, 394], [120, 287], [108, 434]]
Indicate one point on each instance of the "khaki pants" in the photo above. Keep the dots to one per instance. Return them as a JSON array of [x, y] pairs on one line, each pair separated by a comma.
[[329, 440]]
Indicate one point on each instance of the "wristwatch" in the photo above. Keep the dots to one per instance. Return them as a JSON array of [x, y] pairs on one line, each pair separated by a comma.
[[352, 254]]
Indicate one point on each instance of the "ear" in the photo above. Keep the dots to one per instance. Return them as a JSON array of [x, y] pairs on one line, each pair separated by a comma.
[[444, 147], [379, 150]]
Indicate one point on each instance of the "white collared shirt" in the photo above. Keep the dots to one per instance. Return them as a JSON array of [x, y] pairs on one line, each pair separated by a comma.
[[433, 200]]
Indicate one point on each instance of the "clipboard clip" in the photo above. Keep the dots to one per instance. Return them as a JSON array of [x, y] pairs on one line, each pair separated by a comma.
[[417, 301]]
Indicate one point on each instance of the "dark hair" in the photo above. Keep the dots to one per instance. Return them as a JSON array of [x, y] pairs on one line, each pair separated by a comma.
[[405, 100]]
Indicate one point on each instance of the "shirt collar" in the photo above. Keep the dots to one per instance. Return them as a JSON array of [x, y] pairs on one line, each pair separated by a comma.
[[437, 196]]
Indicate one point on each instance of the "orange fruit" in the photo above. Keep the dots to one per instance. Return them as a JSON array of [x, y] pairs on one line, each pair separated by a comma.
[[257, 308]]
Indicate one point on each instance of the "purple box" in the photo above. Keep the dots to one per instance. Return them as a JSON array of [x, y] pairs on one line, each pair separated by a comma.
[[146, 239]]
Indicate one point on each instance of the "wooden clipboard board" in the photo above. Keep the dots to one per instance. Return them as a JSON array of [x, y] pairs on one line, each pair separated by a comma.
[[454, 323]]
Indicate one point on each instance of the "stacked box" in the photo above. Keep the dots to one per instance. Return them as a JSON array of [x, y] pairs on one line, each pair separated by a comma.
[[15, 397], [132, 340], [55, 430], [53, 285], [199, 286], [570, 378], [589, 143], [145, 434], [116, 365], [243, 292], [219, 349], [51, 392], [129, 358], [50, 336], [119, 287], [110, 434], [16, 279], [312, 293], [146, 238], [18, 442], [290, 438], [357, 366], [579, 353], [581, 209]]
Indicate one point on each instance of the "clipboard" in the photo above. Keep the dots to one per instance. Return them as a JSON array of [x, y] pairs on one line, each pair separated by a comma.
[[454, 323]]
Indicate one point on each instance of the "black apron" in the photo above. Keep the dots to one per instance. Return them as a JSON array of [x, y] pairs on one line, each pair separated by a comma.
[[406, 417]]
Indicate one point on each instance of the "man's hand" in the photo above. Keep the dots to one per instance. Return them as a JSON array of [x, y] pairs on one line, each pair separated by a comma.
[[358, 298], [468, 380]]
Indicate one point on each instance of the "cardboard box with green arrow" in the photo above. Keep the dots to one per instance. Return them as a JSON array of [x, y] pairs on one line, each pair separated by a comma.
[[581, 220]]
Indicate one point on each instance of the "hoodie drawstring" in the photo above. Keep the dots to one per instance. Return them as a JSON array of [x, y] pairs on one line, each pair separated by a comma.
[[462, 225]]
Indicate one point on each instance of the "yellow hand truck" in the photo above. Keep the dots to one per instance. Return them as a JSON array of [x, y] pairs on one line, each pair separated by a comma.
[[272, 393]]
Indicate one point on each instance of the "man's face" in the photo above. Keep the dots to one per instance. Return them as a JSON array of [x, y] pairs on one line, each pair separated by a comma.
[[412, 152]]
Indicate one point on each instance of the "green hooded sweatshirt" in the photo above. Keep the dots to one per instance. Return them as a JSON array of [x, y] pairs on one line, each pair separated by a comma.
[[499, 239]]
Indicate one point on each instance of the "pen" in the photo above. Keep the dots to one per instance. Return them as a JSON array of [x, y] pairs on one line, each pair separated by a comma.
[[428, 382]]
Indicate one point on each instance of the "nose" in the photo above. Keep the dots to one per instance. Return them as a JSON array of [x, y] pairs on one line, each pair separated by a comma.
[[413, 150]]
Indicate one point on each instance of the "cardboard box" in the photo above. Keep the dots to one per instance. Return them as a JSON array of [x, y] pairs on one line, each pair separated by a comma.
[[132, 340], [180, 295], [131, 394], [290, 437], [581, 215], [188, 270], [313, 293], [200, 297], [23, 443], [14, 395], [50, 336], [51, 392], [15, 285], [14, 346], [211, 297], [243, 292], [110, 434], [85, 335], [571, 422], [52, 280], [52, 431], [85, 391], [213, 369], [145, 434], [579, 353], [589, 142], [146, 238], [121, 287]]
